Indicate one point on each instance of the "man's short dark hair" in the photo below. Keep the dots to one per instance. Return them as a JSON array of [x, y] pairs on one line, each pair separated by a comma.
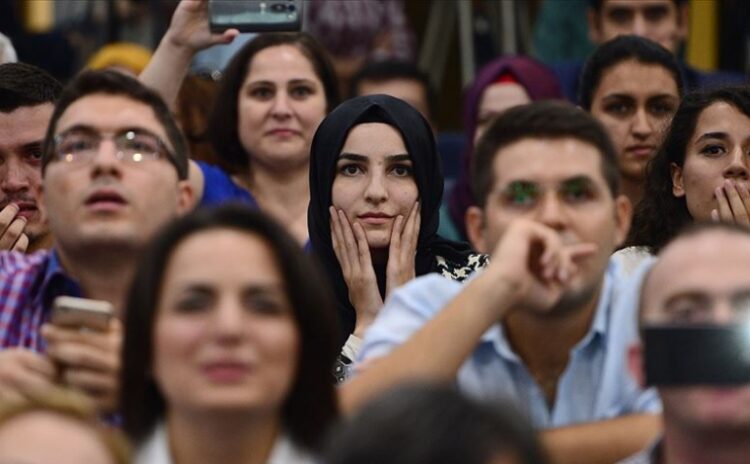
[[596, 5], [22, 84], [540, 120], [618, 50], [388, 70], [433, 424], [115, 83]]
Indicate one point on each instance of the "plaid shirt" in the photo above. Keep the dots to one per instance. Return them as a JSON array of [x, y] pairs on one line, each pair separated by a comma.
[[28, 286]]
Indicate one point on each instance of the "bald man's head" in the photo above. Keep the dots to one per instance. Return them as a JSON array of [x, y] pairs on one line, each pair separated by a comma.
[[702, 276]]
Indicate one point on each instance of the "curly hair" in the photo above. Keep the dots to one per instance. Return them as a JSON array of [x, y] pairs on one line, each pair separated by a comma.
[[660, 215]]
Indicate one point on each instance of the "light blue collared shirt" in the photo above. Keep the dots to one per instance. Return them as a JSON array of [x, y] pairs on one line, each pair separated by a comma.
[[596, 384]]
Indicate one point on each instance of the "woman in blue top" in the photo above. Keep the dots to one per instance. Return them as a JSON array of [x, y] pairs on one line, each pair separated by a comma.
[[271, 98]]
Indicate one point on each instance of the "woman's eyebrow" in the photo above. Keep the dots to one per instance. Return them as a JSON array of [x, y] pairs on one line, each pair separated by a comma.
[[353, 157], [396, 158], [712, 135]]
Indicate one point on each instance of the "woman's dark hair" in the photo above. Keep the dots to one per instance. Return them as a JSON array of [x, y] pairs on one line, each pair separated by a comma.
[[432, 424], [311, 405], [118, 84], [222, 124], [617, 50], [660, 215]]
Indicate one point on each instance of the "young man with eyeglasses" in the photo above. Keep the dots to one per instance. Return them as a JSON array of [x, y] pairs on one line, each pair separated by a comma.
[[114, 171]]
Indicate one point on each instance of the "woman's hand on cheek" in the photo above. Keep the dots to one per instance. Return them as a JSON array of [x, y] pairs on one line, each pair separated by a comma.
[[733, 201], [403, 250], [353, 253]]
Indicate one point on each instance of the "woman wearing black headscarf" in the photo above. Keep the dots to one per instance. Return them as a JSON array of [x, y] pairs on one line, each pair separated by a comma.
[[375, 190]]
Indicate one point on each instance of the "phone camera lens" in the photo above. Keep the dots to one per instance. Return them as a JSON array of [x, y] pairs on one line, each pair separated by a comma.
[[291, 8], [278, 8]]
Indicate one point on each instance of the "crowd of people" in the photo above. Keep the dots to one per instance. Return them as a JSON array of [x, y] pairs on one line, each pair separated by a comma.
[[297, 281]]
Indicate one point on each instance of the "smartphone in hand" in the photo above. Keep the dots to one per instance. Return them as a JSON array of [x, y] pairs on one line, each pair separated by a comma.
[[255, 15], [81, 313]]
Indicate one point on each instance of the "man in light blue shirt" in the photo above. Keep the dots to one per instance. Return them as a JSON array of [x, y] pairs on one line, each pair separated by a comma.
[[595, 385], [550, 320]]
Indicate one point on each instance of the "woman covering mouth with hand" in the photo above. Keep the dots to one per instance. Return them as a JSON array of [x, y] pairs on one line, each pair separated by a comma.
[[375, 189]]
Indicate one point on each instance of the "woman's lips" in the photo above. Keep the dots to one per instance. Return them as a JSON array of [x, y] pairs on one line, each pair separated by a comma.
[[641, 151], [375, 218], [225, 371], [282, 132]]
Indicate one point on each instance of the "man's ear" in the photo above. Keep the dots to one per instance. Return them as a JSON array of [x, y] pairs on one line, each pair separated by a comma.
[[636, 364], [683, 22], [678, 185], [623, 218], [475, 229], [185, 198], [595, 26]]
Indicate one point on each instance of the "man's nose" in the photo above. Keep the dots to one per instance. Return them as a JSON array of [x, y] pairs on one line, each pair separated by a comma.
[[15, 177], [551, 212]]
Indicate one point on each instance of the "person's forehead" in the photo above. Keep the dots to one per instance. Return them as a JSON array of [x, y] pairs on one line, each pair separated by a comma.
[[397, 87], [635, 4], [280, 64], [547, 161], [361, 136], [503, 96], [110, 113], [24, 125], [637, 79], [711, 262], [722, 117]]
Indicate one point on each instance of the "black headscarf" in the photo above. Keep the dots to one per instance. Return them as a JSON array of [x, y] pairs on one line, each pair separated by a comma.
[[420, 145]]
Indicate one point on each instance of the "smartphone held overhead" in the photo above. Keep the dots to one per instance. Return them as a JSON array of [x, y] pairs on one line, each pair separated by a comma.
[[255, 15]]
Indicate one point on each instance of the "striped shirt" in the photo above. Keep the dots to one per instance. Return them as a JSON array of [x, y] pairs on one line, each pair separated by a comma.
[[28, 286]]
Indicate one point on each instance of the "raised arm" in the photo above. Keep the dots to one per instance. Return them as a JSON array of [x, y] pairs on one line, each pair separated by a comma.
[[188, 34], [507, 282]]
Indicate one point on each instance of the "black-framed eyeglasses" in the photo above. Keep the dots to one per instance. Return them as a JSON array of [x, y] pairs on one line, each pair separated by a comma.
[[81, 145]]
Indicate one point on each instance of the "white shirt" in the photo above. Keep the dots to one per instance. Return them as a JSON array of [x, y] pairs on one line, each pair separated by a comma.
[[155, 450]]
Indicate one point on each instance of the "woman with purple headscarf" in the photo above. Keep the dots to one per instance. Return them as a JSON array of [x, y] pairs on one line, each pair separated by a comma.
[[501, 84]]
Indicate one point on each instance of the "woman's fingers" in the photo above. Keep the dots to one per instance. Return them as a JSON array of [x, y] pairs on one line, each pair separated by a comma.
[[736, 203], [725, 211], [350, 243], [744, 198], [411, 229], [394, 247], [337, 239], [363, 249]]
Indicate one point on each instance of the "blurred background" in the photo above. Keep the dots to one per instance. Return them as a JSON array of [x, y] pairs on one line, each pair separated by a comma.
[[449, 39]]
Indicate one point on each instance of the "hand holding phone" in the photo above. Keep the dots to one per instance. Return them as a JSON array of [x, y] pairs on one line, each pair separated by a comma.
[[81, 313], [189, 30], [84, 340]]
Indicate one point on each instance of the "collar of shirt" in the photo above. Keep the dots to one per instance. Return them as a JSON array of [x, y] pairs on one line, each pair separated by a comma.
[[56, 282]]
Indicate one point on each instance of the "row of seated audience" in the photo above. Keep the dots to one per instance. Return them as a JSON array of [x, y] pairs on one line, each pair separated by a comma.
[[226, 331]]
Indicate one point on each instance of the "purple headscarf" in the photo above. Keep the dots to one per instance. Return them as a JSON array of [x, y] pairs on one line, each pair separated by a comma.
[[540, 83]]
